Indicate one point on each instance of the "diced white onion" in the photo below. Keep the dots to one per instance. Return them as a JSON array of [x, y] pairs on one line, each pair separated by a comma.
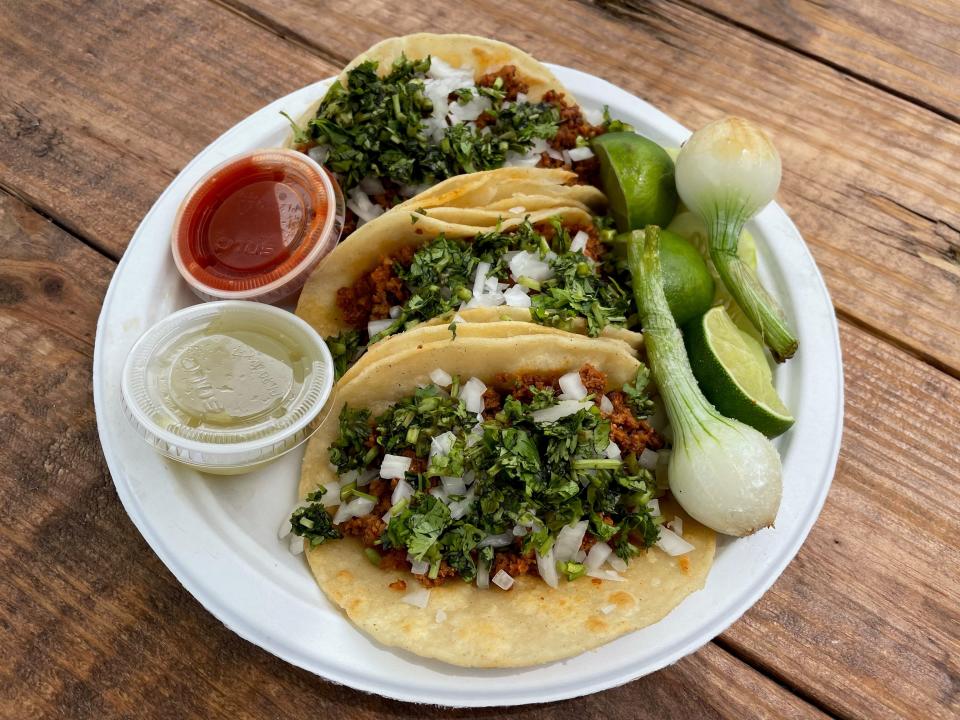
[[459, 508], [419, 598], [395, 311], [569, 540], [364, 208], [514, 159], [319, 153], [579, 556], [605, 405], [607, 609], [516, 296], [394, 466], [483, 574], [375, 327], [554, 153], [654, 506], [475, 435], [606, 575], [296, 544], [472, 395], [580, 153], [521, 97], [440, 617], [441, 445], [558, 411], [458, 319], [470, 110], [617, 563], [613, 451], [418, 567], [598, 555], [371, 185], [671, 543], [480, 277], [331, 496], [454, 485], [503, 580], [572, 386], [496, 541], [648, 459], [594, 117], [528, 264], [676, 525], [366, 477], [579, 241], [403, 491], [358, 507], [518, 530], [441, 378], [547, 567], [488, 299], [439, 493]]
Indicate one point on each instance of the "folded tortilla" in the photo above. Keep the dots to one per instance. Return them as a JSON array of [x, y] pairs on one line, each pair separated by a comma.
[[480, 54], [532, 623]]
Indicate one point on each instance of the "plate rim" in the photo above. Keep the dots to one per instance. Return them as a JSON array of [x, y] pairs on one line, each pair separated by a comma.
[[237, 623]]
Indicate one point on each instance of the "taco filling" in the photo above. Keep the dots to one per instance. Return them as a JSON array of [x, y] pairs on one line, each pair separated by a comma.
[[560, 270], [389, 138], [532, 475]]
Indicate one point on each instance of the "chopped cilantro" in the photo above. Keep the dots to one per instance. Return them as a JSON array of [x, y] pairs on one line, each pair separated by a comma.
[[377, 126], [312, 522]]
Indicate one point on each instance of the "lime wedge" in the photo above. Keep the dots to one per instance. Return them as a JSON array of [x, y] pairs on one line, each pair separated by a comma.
[[637, 177], [687, 225], [687, 282], [733, 373]]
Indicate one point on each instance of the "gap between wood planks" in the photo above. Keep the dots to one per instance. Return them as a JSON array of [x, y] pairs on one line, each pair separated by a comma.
[[627, 10]]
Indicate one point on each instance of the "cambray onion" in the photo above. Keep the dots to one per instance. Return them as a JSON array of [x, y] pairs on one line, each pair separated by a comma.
[[726, 173], [725, 474]]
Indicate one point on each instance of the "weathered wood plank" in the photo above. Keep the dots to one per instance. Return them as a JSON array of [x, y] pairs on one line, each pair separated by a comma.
[[864, 171], [103, 103], [867, 618], [910, 47], [95, 626]]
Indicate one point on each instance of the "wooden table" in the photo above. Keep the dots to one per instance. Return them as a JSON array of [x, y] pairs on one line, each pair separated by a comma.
[[104, 102]]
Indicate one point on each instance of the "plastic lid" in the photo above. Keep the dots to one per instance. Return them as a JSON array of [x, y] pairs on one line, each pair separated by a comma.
[[227, 384], [255, 226]]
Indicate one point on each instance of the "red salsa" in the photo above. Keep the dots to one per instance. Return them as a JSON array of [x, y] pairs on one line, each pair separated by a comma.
[[256, 226]]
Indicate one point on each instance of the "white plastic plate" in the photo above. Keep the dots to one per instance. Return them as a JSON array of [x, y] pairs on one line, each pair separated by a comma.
[[218, 535]]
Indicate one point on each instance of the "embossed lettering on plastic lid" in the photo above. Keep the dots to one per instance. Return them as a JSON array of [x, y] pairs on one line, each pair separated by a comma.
[[226, 385], [255, 226]]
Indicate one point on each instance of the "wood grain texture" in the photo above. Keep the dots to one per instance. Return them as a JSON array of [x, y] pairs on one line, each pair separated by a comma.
[[863, 171], [94, 625], [867, 617], [911, 47], [102, 103]]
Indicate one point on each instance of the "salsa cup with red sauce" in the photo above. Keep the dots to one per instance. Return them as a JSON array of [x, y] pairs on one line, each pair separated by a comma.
[[255, 226]]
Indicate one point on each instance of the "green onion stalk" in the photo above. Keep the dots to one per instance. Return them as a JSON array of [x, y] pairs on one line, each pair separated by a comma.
[[725, 474], [726, 173]]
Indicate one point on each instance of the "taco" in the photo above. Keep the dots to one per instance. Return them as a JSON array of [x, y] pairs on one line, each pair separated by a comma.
[[449, 264], [484, 501], [412, 111]]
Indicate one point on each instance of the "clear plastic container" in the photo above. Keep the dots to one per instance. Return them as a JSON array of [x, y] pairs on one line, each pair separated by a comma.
[[255, 226], [227, 386]]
